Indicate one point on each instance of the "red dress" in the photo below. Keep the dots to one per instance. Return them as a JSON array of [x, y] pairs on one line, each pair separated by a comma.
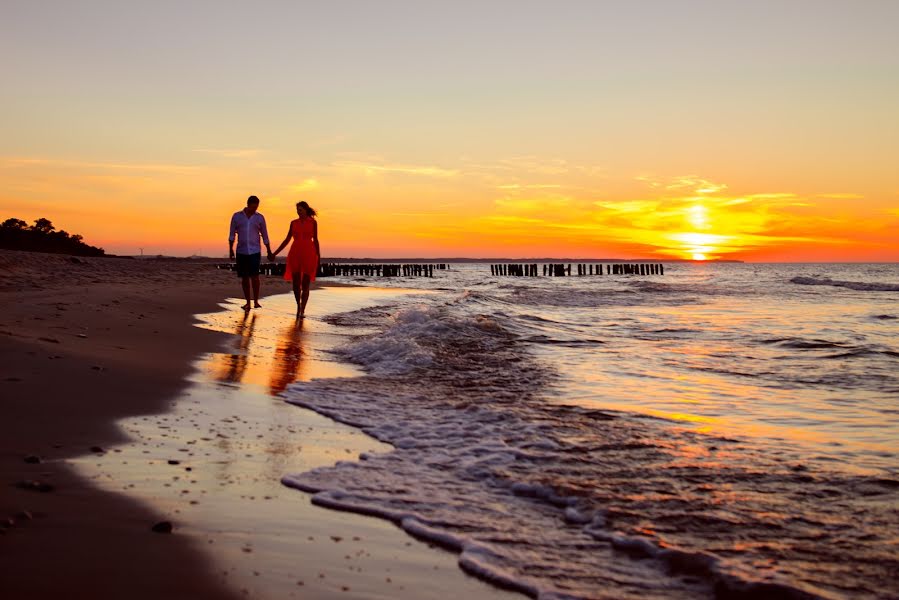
[[302, 258]]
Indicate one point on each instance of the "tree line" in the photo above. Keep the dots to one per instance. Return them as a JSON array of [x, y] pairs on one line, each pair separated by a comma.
[[16, 234]]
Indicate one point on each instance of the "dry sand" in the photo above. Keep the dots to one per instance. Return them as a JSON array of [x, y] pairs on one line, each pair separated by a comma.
[[105, 380]]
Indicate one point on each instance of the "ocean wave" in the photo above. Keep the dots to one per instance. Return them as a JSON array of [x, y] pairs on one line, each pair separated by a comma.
[[846, 350], [861, 286], [561, 501], [658, 287], [597, 297], [805, 344]]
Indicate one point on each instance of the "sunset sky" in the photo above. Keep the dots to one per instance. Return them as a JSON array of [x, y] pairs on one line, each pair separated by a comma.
[[759, 130]]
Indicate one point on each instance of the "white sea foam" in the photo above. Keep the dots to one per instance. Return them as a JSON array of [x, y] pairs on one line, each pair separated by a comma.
[[547, 499], [491, 460]]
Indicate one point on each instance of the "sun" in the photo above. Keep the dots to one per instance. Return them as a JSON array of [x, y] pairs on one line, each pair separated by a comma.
[[698, 256]]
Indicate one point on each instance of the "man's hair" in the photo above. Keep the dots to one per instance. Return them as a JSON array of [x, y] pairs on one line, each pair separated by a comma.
[[252, 200]]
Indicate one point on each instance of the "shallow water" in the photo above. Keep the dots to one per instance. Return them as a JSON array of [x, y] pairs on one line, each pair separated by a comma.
[[725, 429], [212, 465]]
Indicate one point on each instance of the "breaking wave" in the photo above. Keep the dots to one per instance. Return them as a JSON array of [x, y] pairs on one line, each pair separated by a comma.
[[560, 501]]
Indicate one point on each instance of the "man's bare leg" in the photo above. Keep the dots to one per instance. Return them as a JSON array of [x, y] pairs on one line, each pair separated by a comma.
[[245, 284], [255, 280]]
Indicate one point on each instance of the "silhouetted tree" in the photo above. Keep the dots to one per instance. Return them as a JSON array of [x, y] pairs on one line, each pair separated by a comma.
[[43, 225], [15, 234], [14, 224]]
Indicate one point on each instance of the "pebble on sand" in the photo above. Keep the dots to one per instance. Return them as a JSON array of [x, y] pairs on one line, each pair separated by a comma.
[[162, 527], [35, 486]]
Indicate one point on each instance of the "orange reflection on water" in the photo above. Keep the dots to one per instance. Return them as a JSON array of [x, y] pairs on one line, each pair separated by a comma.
[[271, 356], [232, 367], [287, 364]]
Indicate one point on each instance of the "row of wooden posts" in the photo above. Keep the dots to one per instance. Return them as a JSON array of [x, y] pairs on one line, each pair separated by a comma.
[[562, 270], [427, 269], [382, 270], [353, 269]]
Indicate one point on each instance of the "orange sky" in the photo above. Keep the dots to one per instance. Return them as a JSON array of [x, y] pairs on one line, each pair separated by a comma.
[[520, 207], [517, 129]]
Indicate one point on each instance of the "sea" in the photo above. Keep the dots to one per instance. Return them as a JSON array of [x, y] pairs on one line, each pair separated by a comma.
[[726, 430]]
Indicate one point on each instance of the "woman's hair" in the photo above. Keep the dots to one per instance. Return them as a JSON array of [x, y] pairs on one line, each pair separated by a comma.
[[309, 210]]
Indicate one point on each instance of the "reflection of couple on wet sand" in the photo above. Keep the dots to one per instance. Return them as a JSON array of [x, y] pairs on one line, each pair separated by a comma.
[[248, 226], [252, 364]]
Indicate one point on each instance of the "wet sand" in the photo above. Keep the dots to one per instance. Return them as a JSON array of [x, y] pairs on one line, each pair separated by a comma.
[[136, 419]]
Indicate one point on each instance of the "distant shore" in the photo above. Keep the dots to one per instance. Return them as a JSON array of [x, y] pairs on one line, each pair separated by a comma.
[[448, 260]]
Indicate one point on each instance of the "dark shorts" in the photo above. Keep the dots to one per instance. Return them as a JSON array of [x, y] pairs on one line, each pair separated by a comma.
[[248, 264]]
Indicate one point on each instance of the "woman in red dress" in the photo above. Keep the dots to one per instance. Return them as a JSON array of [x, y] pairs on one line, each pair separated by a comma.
[[304, 255]]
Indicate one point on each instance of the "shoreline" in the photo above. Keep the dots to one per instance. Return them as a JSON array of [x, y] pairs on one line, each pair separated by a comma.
[[101, 351], [85, 344]]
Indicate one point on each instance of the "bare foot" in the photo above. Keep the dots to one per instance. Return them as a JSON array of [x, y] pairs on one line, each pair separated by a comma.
[[246, 306], [300, 315], [257, 305]]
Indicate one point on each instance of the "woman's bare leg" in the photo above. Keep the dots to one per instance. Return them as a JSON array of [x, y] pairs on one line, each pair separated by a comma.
[[297, 295], [305, 295]]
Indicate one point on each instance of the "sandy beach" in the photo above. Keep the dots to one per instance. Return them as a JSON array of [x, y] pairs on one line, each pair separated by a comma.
[[121, 413]]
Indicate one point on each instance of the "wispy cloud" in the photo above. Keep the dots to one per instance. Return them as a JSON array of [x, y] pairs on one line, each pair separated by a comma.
[[230, 153], [682, 184], [686, 216], [404, 169], [841, 196], [532, 186], [25, 162], [304, 186]]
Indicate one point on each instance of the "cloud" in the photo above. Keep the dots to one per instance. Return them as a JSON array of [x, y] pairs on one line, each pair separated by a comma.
[[681, 217], [696, 184], [841, 196], [374, 168], [629, 206], [236, 153], [304, 186], [702, 219], [26, 162], [543, 205], [534, 186]]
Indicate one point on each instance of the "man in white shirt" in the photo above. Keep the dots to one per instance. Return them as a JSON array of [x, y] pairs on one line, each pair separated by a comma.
[[248, 225]]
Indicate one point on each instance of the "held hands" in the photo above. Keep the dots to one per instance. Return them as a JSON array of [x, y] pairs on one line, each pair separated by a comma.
[[271, 256]]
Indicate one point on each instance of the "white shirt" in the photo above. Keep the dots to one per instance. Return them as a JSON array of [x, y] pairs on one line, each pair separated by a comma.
[[248, 230]]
